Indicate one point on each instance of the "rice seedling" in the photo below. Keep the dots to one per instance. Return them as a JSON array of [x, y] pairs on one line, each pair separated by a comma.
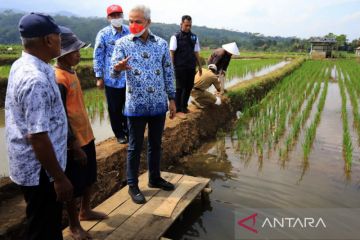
[[95, 103], [311, 131], [240, 68], [347, 142]]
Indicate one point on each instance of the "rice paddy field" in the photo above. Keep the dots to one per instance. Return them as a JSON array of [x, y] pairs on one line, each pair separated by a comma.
[[298, 115], [242, 67], [297, 148]]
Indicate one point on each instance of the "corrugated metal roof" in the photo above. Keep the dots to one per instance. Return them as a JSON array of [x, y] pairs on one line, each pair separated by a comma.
[[323, 40]]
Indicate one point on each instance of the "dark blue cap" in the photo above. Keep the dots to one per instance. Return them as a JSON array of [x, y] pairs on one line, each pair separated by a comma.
[[37, 25]]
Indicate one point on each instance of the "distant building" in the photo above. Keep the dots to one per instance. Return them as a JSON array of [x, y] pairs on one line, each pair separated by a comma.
[[357, 51], [322, 47]]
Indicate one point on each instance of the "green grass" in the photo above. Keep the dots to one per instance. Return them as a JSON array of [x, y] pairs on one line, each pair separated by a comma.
[[4, 72]]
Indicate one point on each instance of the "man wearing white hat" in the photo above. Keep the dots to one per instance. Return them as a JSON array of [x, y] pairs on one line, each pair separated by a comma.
[[221, 58]]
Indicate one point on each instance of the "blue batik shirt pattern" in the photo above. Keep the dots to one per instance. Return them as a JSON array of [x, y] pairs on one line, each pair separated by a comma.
[[32, 105], [104, 46], [150, 81]]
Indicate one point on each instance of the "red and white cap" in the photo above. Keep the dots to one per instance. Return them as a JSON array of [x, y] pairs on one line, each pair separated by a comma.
[[113, 9]]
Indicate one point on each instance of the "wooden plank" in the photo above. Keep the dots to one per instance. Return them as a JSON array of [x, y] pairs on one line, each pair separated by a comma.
[[110, 204], [127, 209], [162, 224], [144, 225], [168, 206]]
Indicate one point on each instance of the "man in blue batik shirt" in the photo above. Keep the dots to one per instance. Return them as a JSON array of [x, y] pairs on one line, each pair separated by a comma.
[[114, 87], [149, 85]]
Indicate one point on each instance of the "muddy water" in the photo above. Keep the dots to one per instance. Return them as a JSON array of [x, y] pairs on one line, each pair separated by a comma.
[[264, 183]]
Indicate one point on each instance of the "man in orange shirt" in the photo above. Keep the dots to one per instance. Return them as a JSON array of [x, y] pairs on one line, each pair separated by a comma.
[[81, 167]]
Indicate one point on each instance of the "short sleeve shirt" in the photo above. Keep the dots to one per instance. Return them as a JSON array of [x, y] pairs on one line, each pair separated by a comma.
[[173, 44], [32, 105], [75, 106]]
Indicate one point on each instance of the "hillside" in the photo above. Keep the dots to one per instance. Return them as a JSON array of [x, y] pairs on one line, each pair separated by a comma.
[[87, 27]]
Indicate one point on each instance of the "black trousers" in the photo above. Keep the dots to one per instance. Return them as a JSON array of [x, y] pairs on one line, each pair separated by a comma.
[[115, 98], [137, 127], [184, 85], [43, 212]]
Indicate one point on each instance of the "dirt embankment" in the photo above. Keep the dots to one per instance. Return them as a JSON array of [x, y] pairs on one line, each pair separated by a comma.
[[180, 137]]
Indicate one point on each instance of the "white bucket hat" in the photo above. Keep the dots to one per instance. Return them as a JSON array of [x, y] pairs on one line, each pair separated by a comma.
[[231, 48]]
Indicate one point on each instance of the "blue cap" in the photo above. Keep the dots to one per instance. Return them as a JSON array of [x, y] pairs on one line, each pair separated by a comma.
[[37, 25]]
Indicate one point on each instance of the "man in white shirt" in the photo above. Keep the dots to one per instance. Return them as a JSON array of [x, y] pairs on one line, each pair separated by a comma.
[[184, 51], [36, 128]]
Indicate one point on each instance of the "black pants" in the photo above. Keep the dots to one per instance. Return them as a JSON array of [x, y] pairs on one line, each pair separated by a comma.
[[184, 85], [43, 212], [115, 98], [136, 137]]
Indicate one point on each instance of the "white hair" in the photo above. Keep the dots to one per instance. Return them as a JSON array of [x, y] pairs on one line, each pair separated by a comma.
[[144, 9], [29, 42]]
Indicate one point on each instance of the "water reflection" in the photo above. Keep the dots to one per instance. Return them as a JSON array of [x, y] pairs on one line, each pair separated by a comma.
[[251, 74], [261, 183]]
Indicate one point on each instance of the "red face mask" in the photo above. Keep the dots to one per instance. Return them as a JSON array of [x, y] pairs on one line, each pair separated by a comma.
[[136, 28]]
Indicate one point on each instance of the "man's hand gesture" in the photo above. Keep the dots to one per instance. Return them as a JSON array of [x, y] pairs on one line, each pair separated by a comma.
[[122, 65]]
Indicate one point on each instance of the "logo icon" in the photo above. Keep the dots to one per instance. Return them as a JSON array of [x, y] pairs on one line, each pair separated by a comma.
[[241, 223]]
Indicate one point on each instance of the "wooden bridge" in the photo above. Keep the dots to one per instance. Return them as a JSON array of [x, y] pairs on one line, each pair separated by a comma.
[[128, 220]]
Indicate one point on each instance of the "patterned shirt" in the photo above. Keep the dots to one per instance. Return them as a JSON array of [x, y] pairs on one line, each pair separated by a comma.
[[104, 46], [32, 105], [150, 81]]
